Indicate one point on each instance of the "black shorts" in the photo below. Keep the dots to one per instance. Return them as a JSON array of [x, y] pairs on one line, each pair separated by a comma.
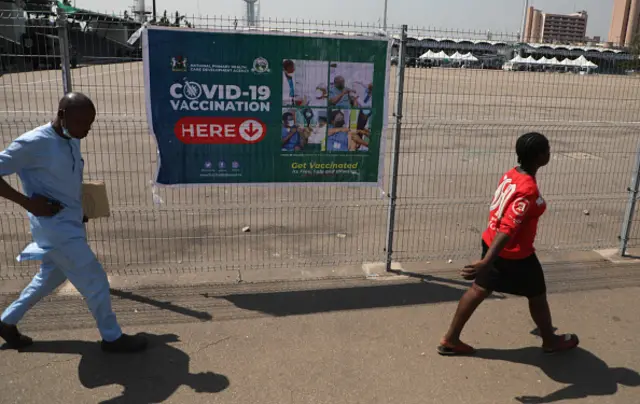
[[522, 277]]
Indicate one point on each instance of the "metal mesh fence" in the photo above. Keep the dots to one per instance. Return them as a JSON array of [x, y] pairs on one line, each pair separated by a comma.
[[459, 130], [458, 137]]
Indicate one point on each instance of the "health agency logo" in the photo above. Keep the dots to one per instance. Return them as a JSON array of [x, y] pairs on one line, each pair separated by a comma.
[[179, 64], [260, 66]]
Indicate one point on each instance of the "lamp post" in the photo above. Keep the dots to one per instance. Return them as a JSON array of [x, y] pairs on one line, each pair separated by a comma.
[[524, 20], [384, 20]]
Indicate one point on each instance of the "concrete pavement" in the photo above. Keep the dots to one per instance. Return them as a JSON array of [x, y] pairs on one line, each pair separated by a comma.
[[349, 341]]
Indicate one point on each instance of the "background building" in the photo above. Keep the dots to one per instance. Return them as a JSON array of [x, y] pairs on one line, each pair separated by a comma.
[[541, 27], [625, 24]]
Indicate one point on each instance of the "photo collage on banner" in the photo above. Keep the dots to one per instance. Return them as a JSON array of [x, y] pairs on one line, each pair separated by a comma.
[[326, 106]]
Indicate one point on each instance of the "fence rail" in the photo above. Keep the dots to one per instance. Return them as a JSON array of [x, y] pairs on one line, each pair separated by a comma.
[[457, 136]]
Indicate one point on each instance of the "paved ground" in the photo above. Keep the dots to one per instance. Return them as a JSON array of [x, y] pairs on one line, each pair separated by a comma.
[[460, 127], [348, 341]]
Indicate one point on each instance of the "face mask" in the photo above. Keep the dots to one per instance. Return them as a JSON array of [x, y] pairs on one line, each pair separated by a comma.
[[339, 122], [65, 131], [289, 124]]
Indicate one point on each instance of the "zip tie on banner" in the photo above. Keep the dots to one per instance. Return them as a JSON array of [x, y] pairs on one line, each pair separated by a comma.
[[157, 200]]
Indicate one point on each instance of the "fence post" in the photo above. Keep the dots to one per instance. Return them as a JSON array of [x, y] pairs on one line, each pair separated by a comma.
[[395, 153], [631, 206], [65, 59]]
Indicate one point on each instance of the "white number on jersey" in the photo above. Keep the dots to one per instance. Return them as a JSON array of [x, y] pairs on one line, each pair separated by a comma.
[[502, 196]]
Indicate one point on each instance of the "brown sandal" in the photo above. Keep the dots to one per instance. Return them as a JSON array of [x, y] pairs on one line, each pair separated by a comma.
[[459, 349]]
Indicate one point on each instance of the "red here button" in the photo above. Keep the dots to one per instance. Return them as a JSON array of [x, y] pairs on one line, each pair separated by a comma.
[[219, 130]]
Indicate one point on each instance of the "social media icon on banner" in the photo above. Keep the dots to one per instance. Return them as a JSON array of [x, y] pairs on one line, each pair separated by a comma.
[[222, 165], [235, 165], [207, 165]]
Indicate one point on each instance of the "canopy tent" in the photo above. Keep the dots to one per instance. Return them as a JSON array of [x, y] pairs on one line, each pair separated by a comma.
[[456, 57], [435, 56], [427, 55], [567, 62], [583, 62], [518, 59], [442, 55], [468, 57], [579, 62]]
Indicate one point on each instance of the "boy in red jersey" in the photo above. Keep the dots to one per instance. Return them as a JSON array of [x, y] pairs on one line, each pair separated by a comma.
[[509, 263]]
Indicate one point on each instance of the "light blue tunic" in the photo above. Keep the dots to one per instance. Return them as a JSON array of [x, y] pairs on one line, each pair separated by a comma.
[[51, 166]]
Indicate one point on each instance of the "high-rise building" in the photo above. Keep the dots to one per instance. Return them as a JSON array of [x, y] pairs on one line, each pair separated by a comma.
[[550, 28], [625, 24]]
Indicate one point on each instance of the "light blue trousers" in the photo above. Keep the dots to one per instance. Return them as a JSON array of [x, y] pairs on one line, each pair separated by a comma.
[[88, 278]]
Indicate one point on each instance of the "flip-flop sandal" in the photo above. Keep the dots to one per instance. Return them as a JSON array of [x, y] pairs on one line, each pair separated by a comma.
[[459, 349], [563, 343]]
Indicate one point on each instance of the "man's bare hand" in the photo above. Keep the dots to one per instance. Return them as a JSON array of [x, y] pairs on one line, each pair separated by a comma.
[[39, 205]]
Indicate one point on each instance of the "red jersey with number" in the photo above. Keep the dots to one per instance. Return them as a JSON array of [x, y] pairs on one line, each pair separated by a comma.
[[515, 209]]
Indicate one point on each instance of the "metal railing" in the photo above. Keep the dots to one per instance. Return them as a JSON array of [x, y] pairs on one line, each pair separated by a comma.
[[451, 135]]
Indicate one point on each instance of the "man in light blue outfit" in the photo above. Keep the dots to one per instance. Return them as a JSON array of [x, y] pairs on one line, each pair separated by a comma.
[[50, 166]]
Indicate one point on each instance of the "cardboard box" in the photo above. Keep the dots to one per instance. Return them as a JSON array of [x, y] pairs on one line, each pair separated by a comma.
[[95, 202]]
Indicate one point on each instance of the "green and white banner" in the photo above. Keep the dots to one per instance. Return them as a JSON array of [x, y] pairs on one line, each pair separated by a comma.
[[230, 107]]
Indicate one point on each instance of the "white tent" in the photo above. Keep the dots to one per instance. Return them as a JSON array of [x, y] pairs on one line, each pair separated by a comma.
[[469, 57], [548, 62], [583, 62], [567, 62], [456, 57], [428, 55], [434, 56], [579, 62]]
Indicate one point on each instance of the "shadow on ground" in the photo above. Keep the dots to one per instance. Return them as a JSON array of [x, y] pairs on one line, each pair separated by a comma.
[[431, 278], [290, 303], [149, 377], [584, 373], [195, 314]]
